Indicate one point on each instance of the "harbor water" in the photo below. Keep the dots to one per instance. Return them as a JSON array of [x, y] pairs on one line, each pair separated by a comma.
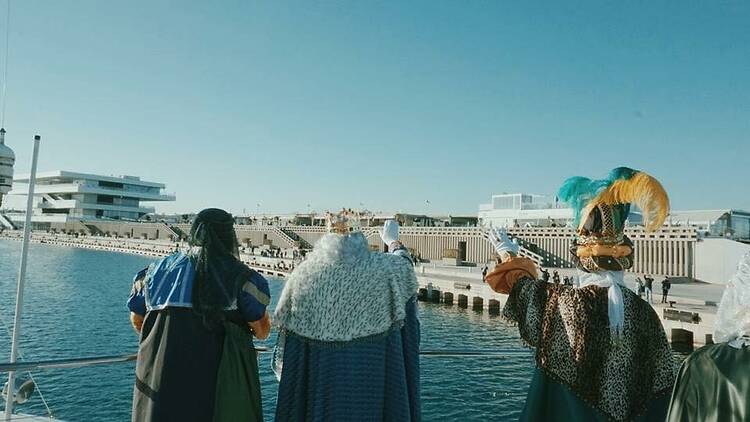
[[75, 307]]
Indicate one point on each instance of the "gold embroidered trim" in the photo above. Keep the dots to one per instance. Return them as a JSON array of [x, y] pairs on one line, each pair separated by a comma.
[[615, 251]]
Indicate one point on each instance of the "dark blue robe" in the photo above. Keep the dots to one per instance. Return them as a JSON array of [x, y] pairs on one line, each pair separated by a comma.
[[370, 379]]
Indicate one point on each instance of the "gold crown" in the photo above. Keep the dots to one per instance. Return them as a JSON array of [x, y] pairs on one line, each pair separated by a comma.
[[344, 222]]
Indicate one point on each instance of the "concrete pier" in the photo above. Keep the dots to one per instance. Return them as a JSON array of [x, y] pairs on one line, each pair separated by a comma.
[[688, 319], [493, 306]]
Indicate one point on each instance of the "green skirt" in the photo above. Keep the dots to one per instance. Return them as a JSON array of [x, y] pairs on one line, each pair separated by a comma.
[[713, 386], [188, 373], [237, 385], [551, 401]]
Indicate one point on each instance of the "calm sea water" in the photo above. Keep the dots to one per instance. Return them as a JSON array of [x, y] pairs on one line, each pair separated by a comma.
[[75, 306]]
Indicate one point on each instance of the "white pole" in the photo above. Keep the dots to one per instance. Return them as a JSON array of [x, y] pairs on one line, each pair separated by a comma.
[[10, 400]]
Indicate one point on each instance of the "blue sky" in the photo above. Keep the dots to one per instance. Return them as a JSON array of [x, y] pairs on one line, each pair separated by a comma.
[[387, 103]]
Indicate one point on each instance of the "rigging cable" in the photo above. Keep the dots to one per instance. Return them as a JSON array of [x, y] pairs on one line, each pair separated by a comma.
[[20, 355], [3, 100]]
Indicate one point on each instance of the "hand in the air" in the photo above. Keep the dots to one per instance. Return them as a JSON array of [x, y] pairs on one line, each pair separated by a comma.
[[501, 242], [389, 234]]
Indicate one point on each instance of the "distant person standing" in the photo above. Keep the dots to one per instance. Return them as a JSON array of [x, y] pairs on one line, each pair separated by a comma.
[[665, 286], [556, 277], [545, 275], [639, 286], [484, 273], [649, 288]]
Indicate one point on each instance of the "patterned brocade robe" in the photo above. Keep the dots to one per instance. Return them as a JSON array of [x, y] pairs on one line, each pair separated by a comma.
[[582, 374]]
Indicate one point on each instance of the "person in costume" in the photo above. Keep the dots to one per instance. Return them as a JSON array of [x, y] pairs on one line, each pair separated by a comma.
[[665, 286], [601, 352], [545, 275], [649, 289], [713, 384], [348, 346], [639, 286], [196, 312]]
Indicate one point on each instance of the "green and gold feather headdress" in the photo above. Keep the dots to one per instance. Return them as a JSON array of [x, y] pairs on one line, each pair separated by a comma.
[[601, 208], [622, 187]]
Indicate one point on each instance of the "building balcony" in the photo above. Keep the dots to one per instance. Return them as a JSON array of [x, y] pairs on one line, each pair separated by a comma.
[[59, 204], [80, 205], [71, 188], [40, 218], [62, 176]]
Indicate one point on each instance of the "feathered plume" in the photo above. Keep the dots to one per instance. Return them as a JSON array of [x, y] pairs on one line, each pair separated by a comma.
[[579, 191], [623, 185], [641, 190]]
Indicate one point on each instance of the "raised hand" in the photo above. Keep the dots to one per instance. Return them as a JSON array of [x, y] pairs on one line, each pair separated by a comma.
[[389, 234], [501, 242]]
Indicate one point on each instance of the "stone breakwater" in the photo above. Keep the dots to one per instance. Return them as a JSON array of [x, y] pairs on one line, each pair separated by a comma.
[[274, 267]]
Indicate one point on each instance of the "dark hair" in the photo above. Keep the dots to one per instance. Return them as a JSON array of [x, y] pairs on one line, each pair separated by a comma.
[[215, 260]]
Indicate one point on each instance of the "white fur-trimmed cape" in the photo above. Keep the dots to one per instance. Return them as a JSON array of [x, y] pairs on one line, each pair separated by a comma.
[[343, 291]]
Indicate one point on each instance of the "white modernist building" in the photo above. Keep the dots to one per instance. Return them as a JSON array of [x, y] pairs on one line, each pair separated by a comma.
[[521, 210], [62, 196], [525, 210]]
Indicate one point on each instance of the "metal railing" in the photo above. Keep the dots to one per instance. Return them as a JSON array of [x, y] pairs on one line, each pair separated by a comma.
[[112, 359]]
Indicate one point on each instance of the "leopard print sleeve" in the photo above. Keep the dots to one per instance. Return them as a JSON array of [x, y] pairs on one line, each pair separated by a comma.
[[660, 353], [525, 307]]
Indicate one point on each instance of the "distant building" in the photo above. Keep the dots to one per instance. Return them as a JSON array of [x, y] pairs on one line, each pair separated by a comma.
[[521, 210], [368, 219], [456, 221], [404, 219], [62, 196], [421, 220], [728, 223], [525, 210]]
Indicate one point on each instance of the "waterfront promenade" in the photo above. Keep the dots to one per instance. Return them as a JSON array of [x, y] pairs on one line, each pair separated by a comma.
[[670, 251], [689, 315]]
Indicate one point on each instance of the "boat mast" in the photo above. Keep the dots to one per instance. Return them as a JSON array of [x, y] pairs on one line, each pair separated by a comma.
[[3, 100], [7, 157], [11, 399]]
